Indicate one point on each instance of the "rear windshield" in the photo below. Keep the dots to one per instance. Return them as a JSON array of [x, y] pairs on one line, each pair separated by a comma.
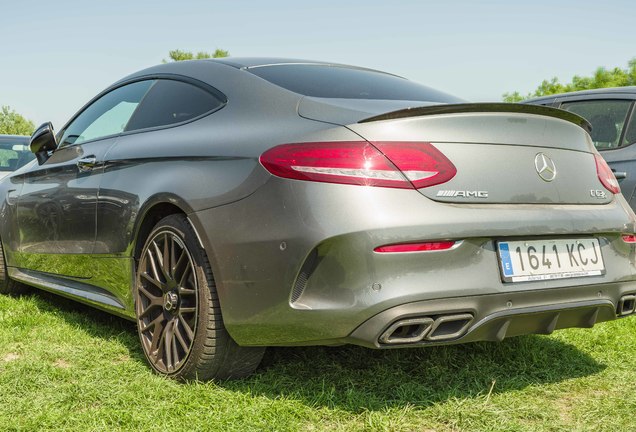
[[326, 81]]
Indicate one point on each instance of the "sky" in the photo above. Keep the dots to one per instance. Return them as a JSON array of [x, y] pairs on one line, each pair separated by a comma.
[[56, 55]]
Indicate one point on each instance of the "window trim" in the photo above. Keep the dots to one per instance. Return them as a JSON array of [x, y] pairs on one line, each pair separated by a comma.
[[628, 120], [629, 115], [221, 97]]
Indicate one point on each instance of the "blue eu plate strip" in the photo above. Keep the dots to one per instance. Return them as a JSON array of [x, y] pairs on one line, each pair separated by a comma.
[[506, 262]]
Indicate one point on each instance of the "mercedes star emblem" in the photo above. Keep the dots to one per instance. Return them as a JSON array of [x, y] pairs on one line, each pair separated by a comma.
[[545, 167]]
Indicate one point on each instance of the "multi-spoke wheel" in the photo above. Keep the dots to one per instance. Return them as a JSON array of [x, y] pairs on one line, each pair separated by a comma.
[[178, 312], [167, 301]]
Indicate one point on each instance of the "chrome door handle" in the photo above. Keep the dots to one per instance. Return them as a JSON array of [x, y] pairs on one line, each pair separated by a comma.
[[12, 196], [619, 174], [87, 163]]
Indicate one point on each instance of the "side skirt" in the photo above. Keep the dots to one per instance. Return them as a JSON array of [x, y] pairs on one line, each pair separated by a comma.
[[74, 289]]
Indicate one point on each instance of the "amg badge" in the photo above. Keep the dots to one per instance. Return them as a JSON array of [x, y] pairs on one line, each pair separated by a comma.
[[462, 194]]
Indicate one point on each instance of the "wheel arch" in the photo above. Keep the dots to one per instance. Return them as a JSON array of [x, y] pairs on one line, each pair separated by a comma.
[[150, 214], [155, 210]]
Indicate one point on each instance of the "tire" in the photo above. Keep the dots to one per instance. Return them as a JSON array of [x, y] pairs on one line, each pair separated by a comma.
[[8, 285], [178, 313]]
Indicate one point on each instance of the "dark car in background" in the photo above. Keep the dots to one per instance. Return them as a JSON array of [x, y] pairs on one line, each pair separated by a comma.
[[610, 111], [14, 153], [232, 204]]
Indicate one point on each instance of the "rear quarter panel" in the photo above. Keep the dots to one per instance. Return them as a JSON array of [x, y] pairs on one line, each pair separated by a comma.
[[208, 163]]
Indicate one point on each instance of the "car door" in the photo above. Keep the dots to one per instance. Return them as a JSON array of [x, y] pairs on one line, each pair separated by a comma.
[[613, 133], [57, 206], [147, 147]]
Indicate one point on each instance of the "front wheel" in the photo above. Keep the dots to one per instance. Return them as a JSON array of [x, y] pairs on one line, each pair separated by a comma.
[[178, 312]]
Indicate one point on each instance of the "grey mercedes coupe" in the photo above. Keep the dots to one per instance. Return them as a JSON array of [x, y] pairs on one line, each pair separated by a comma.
[[232, 204]]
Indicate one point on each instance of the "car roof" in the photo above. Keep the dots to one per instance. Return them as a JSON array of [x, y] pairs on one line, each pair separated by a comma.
[[254, 62], [608, 90], [17, 139], [196, 67], [247, 62]]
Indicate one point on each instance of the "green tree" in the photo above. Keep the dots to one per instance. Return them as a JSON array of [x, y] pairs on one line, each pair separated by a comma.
[[12, 123], [601, 78], [179, 55]]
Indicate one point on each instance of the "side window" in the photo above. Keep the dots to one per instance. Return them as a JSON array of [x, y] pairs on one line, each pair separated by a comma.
[[630, 132], [607, 118], [169, 102], [108, 115]]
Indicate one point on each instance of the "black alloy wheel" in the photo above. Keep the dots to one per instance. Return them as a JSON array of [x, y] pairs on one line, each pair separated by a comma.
[[178, 312], [166, 301]]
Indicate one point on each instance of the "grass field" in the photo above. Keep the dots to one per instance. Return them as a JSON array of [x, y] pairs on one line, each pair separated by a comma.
[[68, 367]]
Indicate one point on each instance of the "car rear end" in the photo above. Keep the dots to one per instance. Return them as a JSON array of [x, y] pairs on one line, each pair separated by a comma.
[[426, 226], [546, 234], [429, 229]]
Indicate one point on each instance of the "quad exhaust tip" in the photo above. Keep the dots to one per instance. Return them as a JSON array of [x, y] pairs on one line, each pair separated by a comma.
[[413, 330], [626, 305], [440, 328]]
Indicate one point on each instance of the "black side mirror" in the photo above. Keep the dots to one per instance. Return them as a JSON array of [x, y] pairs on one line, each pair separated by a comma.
[[42, 142]]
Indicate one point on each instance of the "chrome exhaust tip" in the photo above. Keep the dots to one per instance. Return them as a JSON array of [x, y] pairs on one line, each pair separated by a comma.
[[626, 305], [413, 330], [449, 327], [407, 331]]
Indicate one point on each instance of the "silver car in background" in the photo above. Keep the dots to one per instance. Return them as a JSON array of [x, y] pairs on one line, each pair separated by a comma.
[[229, 205], [14, 153]]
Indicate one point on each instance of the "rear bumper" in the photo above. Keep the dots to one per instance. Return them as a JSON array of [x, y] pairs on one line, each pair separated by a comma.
[[295, 264], [496, 317]]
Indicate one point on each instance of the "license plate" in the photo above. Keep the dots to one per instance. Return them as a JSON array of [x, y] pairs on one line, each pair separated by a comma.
[[524, 261]]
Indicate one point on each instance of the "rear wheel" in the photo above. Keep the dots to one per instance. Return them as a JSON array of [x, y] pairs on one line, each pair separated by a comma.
[[8, 285], [178, 313]]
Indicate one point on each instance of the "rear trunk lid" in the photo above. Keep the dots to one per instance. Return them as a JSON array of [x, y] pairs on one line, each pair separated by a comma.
[[503, 153]]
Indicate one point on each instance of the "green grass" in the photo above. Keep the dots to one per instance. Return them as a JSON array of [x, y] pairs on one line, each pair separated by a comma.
[[67, 367]]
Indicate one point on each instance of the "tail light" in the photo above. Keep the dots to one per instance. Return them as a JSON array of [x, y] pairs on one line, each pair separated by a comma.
[[420, 162], [605, 175], [404, 165]]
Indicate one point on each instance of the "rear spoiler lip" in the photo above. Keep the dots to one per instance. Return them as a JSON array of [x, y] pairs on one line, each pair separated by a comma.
[[484, 108]]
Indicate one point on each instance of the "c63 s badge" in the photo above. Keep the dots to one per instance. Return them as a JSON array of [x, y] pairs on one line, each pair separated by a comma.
[[600, 194], [462, 194]]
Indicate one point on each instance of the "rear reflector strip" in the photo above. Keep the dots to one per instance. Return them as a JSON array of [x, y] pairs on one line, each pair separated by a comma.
[[629, 238], [416, 247]]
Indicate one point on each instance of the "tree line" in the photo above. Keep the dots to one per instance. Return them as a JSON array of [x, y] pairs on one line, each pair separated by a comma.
[[12, 123], [600, 78]]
